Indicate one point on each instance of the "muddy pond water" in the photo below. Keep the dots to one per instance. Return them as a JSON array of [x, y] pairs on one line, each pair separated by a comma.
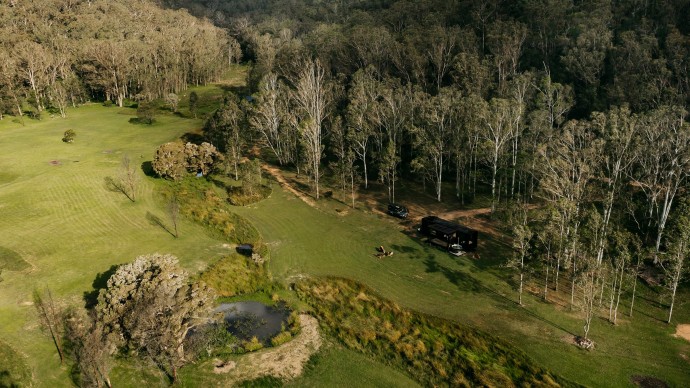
[[254, 319]]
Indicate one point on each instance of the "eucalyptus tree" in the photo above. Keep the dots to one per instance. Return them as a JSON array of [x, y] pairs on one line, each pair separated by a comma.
[[34, 63], [108, 67], [505, 41], [442, 45], [312, 95], [520, 89], [438, 116], [662, 164], [498, 117], [225, 131], [567, 167], [371, 48], [676, 268], [617, 128], [393, 116], [552, 102], [360, 114], [269, 116], [465, 142]]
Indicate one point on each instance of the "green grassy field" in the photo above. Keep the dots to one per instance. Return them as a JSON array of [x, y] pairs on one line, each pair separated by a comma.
[[308, 241], [60, 227]]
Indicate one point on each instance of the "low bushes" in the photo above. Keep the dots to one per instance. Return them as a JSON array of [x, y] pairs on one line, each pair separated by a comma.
[[200, 202], [238, 196], [433, 350], [234, 275]]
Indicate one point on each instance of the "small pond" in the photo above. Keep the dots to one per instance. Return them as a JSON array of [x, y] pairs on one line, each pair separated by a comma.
[[254, 319]]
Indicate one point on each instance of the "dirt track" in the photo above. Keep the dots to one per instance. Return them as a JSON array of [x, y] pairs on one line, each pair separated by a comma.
[[275, 173]]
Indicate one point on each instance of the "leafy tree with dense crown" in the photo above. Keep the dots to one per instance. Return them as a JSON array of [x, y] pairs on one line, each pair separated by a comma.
[[149, 306], [170, 161]]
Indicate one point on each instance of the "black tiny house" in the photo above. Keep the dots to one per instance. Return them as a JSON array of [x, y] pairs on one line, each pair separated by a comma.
[[449, 232]]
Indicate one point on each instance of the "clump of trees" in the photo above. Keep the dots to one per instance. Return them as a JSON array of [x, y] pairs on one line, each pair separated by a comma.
[[174, 160], [104, 50], [572, 109], [149, 306]]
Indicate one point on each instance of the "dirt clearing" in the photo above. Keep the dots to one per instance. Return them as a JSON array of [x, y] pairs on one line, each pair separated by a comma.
[[683, 331]]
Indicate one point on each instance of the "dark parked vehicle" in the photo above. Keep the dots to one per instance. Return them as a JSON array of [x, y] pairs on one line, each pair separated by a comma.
[[397, 210]]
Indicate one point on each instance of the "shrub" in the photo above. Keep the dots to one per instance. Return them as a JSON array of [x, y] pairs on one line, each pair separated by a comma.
[[235, 274], [69, 136], [146, 113], [437, 352], [253, 345], [281, 338]]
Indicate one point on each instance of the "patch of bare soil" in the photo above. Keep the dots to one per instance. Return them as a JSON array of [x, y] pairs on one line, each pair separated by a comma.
[[683, 331], [284, 362], [276, 173], [648, 382]]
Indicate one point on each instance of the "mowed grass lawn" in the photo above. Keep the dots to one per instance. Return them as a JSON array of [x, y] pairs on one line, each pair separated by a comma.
[[60, 227], [58, 216], [306, 241]]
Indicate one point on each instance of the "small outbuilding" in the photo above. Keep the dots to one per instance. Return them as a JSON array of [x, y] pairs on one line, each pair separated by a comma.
[[449, 233], [245, 249]]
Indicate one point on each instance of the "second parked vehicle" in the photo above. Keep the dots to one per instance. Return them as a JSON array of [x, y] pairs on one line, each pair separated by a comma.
[[397, 210]]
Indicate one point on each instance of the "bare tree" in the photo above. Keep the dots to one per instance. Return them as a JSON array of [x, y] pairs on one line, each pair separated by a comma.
[[173, 208], [129, 178], [90, 348]]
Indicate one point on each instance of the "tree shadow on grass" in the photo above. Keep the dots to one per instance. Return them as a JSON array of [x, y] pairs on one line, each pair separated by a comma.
[[6, 380], [467, 283], [194, 138], [404, 249], [147, 168], [99, 283], [157, 221]]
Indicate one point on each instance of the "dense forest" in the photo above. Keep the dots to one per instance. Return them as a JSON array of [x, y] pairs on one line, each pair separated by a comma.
[[575, 109], [55, 54]]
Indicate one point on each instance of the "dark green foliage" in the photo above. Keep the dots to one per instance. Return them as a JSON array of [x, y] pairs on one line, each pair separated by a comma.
[[208, 341], [434, 351], [236, 274], [193, 103], [69, 136], [239, 197], [146, 113], [202, 203]]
